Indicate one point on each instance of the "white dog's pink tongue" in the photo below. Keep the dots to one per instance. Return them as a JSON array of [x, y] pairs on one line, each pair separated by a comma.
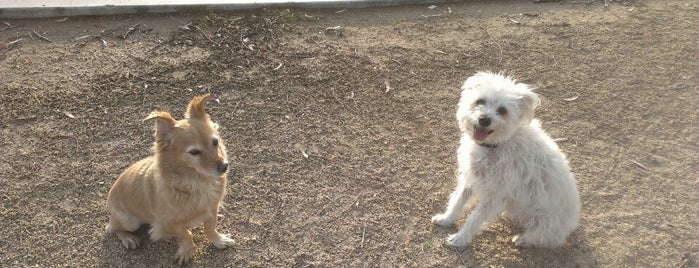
[[480, 134]]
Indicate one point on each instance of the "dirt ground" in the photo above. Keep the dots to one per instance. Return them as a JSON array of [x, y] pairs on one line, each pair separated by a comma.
[[370, 96]]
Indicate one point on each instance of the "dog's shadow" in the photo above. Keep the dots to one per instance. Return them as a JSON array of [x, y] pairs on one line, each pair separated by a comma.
[[494, 247], [148, 254], [159, 253]]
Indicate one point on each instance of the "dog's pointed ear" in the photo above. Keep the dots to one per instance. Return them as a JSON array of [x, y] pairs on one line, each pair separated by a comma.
[[528, 102], [196, 107], [164, 125]]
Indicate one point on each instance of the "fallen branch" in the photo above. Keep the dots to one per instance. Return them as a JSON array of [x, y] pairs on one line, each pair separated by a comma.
[[9, 26], [41, 36], [207, 36], [10, 45], [130, 30]]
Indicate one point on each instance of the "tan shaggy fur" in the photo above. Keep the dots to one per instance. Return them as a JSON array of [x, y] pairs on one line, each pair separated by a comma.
[[179, 187]]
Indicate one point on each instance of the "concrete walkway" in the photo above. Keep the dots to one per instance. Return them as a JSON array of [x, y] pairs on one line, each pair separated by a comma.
[[62, 8]]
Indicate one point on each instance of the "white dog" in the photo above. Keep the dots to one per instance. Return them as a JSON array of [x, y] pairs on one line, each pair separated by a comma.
[[509, 165]]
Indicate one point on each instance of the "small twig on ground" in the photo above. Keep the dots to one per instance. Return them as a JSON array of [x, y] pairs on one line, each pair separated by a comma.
[[13, 42], [577, 95], [560, 140], [186, 26], [9, 26], [400, 210], [136, 58], [611, 168], [639, 164], [462, 259], [41, 36], [300, 147], [9, 45], [110, 31], [160, 43], [82, 37], [361, 245], [130, 30], [207, 36], [68, 114], [277, 68], [104, 42]]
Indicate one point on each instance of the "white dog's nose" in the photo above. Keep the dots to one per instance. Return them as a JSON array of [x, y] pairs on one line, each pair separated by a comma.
[[484, 121]]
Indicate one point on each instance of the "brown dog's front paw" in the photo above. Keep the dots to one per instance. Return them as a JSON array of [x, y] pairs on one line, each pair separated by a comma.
[[224, 241], [129, 241], [184, 255]]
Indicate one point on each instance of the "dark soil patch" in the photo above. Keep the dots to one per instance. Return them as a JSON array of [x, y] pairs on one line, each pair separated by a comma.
[[371, 103]]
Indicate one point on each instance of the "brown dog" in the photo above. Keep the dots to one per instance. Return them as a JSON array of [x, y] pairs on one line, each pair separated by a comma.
[[179, 187]]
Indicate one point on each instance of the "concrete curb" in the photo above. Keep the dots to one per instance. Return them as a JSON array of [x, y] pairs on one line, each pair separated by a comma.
[[47, 12]]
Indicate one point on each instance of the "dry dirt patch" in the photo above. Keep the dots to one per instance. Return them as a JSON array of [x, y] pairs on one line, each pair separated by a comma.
[[372, 104]]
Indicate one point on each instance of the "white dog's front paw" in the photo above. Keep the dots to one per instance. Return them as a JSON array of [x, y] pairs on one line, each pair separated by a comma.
[[441, 220], [224, 241], [458, 240], [520, 242]]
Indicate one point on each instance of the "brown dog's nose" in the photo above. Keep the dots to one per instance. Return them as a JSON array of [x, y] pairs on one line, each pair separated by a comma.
[[222, 167]]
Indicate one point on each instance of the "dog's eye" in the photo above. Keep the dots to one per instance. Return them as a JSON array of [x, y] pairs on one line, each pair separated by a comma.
[[502, 111], [194, 152], [480, 102], [214, 142]]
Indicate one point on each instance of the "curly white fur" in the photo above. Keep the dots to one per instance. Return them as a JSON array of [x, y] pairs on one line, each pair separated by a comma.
[[508, 165]]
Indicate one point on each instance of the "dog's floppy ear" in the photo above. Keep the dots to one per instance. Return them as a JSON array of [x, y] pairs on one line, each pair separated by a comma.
[[164, 124], [461, 117], [474, 81], [528, 102], [196, 107]]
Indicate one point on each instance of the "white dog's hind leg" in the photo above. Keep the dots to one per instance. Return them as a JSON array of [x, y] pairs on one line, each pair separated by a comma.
[[545, 233], [485, 211], [456, 206]]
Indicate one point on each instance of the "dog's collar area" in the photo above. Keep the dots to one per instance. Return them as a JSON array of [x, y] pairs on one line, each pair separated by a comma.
[[489, 146]]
